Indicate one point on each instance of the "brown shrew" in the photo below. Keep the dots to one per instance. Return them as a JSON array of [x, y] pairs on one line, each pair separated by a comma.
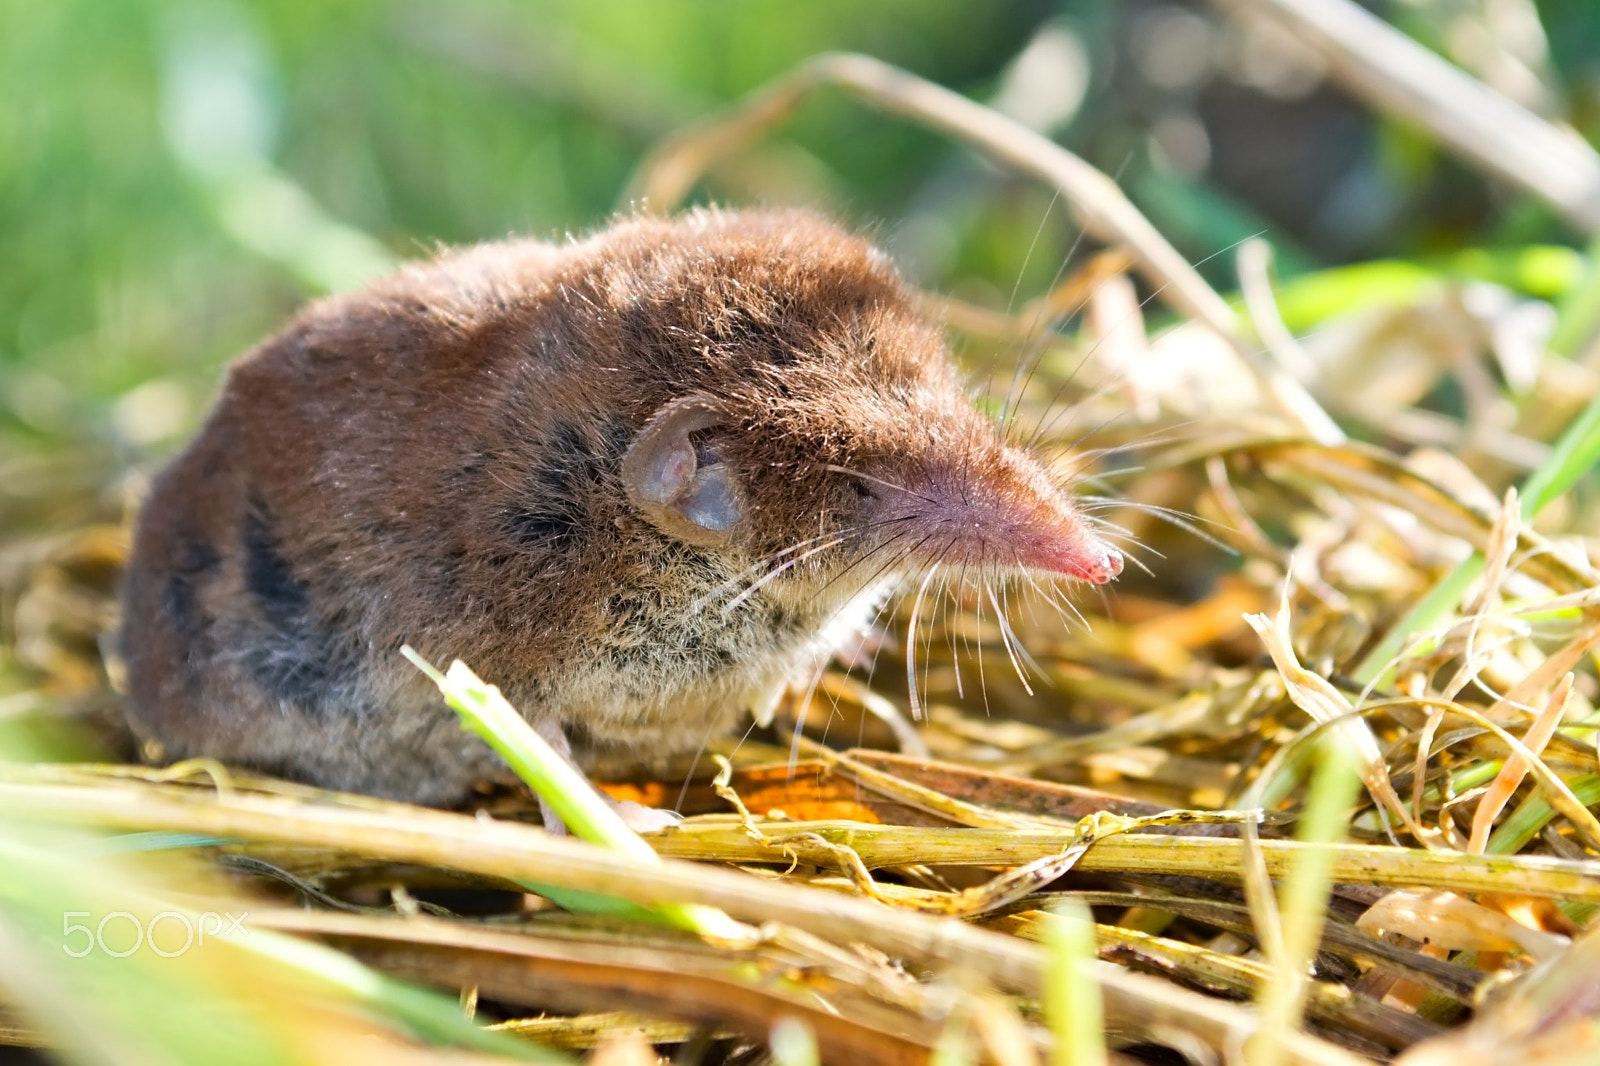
[[640, 481]]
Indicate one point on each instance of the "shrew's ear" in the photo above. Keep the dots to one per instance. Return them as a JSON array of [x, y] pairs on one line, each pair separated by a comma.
[[683, 488]]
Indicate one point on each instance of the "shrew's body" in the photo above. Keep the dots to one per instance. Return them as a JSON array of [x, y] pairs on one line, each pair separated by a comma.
[[569, 466]]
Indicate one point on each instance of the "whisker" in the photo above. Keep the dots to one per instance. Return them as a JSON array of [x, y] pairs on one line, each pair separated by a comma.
[[837, 469], [1126, 543], [827, 584], [1058, 599], [955, 611], [842, 535], [911, 650], [816, 679], [1033, 327], [983, 684], [941, 589], [800, 716], [769, 576], [1107, 527], [1067, 381], [834, 714], [1036, 360], [1027, 257], [1119, 416], [1022, 648], [1005, 641], [1168, 435], [1008, 410], [1112, 502], [1066, 601], [1039, 330], [877, 618], [1171, 516], [1096, 347], [696, 606], [694, 764]]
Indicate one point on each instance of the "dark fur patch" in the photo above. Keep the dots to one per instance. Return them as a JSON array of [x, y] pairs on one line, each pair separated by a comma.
[[552, 515], [768, 339], [617, 437], [295, 661], [195, 565], [283, 599], [552, 524]]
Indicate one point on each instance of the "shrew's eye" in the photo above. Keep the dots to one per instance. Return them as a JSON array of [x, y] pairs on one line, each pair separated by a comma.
[[863, 489]]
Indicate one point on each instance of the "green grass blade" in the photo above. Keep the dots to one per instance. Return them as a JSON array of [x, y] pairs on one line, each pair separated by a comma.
[[1534, 813], [426, 1014], [1303, 902], [1578, 312], [1072, 1002], [1571, 458], [486, 712]]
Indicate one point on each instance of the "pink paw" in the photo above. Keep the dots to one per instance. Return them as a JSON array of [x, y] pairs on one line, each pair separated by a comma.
[[642, 819]]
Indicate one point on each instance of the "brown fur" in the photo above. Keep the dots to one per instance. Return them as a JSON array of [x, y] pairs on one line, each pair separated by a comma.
[[435, 461]]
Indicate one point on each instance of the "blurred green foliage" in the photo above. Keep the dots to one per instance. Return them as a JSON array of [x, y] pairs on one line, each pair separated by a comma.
[[175, 177], [417, 123]]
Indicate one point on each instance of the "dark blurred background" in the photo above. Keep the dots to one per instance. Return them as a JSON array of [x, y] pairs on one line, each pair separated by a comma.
[[176, 177]]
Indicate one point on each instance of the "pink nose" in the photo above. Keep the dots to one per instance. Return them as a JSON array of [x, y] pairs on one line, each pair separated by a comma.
[[1089, 561], [1110, 565]]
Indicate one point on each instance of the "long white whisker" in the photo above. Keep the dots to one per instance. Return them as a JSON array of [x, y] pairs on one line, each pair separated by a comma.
[[1171, 516], [1108, 528], [1056, 599], [800, 715], [950, 630], [935, 604], [1169, 435], [877, 618], [722, 586], [1114, 502], [1005, 640], [688, 775], [1074, 607], [760, 583], [816, 678], [875, 480], [1022, 649], [983, 682], [911, 645]]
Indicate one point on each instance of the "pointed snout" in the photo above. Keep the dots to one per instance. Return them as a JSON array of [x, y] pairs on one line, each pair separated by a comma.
[[1074, 553], [1001, 515], [1105, 563]]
